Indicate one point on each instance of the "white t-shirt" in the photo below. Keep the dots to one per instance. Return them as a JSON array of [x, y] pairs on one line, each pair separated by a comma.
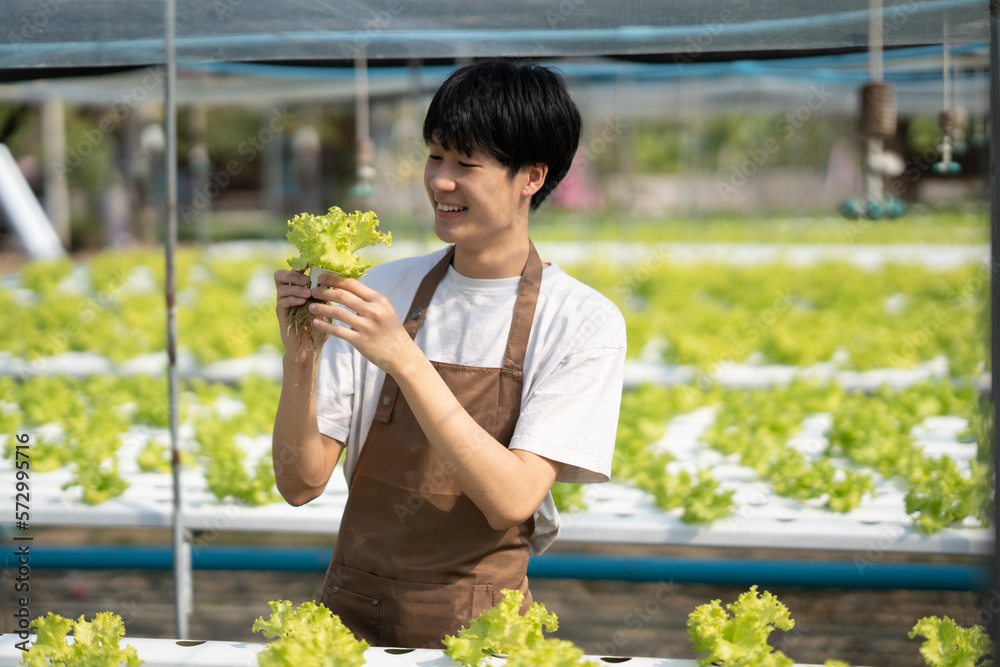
[[573, 367]]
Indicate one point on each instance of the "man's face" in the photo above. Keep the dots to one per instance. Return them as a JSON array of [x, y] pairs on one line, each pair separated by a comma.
[[475, 200]]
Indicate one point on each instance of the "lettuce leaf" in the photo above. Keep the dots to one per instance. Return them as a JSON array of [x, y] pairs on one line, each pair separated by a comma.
[[95, 643], [307, 636], [548, 653], [948, 644], [500, 629], [330, 241], [737, 635], [942, 495]]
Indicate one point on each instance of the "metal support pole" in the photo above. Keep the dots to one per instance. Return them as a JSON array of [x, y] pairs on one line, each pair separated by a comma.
[[875, 40], [946, 71], [994, 624], [54, 163], [364, 187], [272, 170], [874, 183], [181, 547], [361, 99]]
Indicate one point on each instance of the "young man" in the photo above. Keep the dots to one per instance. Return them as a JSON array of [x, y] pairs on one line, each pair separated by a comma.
[[463, 383]]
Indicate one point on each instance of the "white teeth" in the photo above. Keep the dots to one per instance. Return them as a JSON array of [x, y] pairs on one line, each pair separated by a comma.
[[446, 207]]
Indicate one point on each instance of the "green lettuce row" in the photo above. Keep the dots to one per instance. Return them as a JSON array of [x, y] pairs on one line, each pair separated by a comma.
[[757, 425], [736, 635], [875, 431], [871, 431], [706, 315], [710, 315], [95, 413], [225, 473], [642, 421], [215, 318]]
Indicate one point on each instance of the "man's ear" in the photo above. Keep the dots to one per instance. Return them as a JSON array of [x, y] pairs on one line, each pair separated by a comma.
[[536, 174]]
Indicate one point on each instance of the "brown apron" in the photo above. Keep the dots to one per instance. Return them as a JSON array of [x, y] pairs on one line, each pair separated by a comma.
[[415, 558]]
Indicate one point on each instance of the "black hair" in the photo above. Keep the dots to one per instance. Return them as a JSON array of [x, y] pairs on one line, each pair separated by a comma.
[[515, 110]]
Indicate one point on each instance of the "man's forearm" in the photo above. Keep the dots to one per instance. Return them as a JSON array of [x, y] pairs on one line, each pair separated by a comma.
[[506, 485], [303, 458]]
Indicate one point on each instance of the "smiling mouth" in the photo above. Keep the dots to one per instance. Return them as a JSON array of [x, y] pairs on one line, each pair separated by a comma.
[[449, 208]]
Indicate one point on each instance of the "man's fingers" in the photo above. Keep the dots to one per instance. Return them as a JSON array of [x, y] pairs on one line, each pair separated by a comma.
[[286, 277], [338, 295], [297, 293], [290, 301], [348, 284], [325, 310], [328, 324]]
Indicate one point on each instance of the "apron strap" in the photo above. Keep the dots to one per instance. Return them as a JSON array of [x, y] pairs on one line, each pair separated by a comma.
[[520, 328], [524, 311], [411, 323]]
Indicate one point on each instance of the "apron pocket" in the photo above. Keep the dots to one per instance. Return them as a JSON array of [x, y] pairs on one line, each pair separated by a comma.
[[424, 613], [404, 614], [358, 612]]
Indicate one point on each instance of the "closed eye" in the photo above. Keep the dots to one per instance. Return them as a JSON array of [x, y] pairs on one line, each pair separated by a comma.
[[439, 158]]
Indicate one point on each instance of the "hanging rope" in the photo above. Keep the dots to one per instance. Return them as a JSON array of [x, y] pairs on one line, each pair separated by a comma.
[[946, 119], [876, 124], [878, 110], [364, 186], [946, 122]]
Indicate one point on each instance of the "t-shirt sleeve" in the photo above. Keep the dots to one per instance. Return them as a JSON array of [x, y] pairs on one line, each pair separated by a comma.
[[335, 389], [571, 414]]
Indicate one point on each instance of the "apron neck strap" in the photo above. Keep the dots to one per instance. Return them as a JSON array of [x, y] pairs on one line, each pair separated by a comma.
[[422, 299], [520, 327], [524, 311], [524, 308]]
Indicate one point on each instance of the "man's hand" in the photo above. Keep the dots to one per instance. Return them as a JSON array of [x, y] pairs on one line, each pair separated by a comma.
[[373, 327], [293, 290]]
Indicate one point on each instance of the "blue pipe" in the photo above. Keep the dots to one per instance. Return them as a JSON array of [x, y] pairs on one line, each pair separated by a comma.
[[739, 572], [856, 574]]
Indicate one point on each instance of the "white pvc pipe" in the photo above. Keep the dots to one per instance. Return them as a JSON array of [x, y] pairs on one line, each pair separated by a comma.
[[25, 214]]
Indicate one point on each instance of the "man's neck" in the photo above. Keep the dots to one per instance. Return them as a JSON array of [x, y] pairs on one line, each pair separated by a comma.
[[491, 263]]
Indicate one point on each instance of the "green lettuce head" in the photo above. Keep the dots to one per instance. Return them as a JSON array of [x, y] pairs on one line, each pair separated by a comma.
[[330, 241]]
